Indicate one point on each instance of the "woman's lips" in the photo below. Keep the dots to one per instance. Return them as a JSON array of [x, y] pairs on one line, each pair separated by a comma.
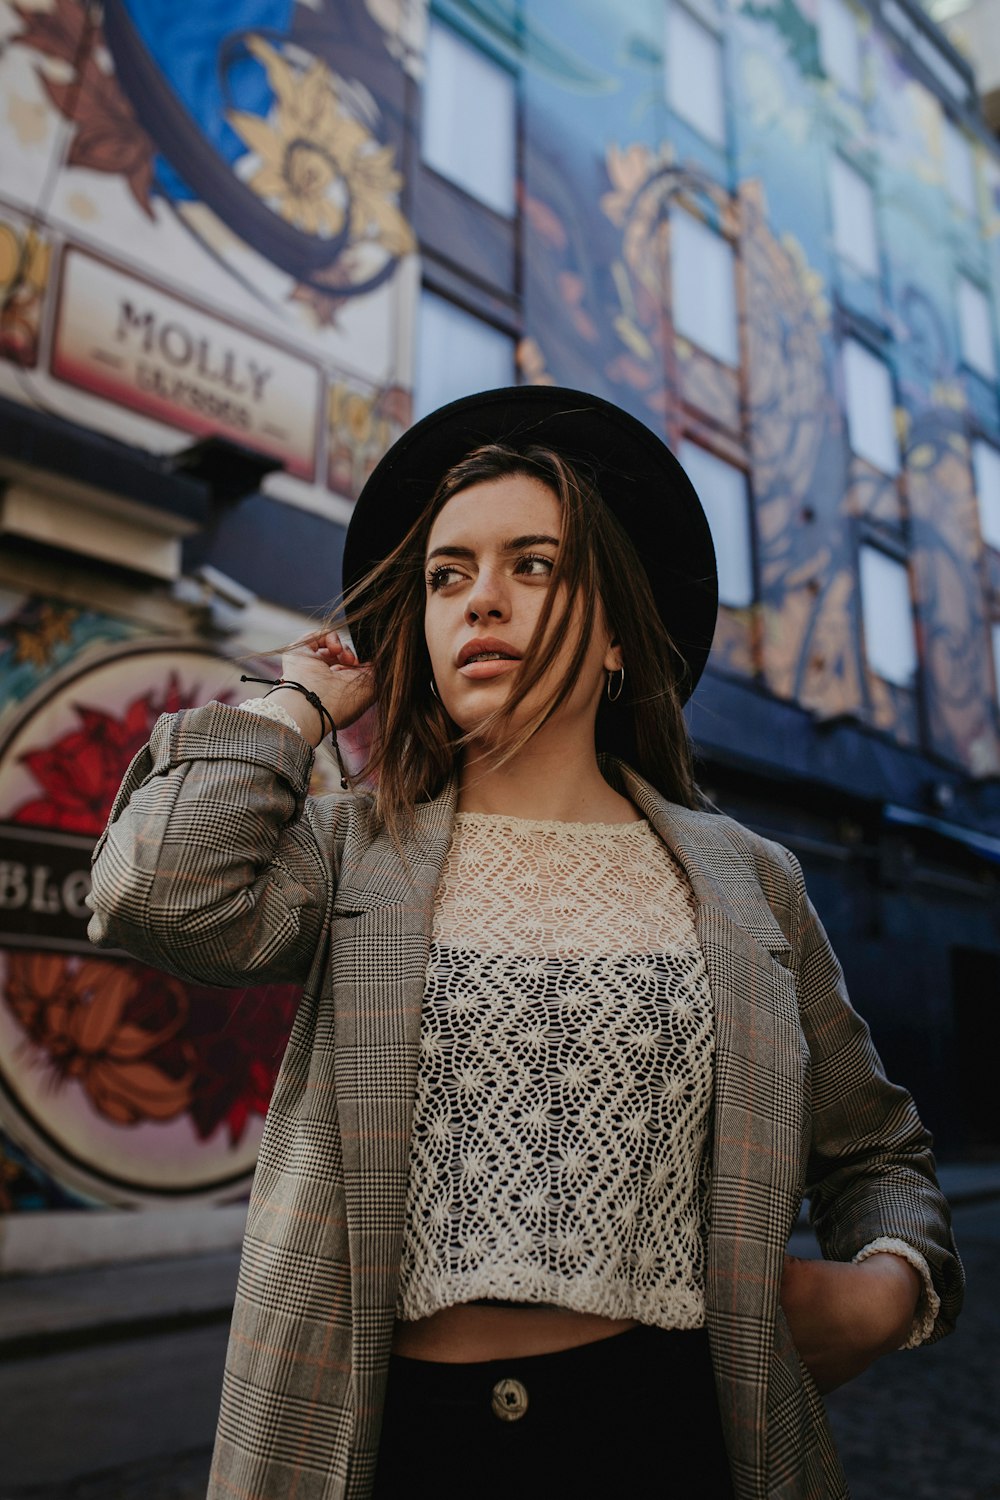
[[478, 670]]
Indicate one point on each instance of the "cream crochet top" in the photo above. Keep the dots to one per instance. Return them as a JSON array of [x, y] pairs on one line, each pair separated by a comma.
[[564, 1079]]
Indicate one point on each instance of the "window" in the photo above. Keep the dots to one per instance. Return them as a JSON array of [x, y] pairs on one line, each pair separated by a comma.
[[704, 287], [722, 490], [840, 44], [986, 468], [959, 168], [695, 88], [457, 354], [887, 617], [871, 417], [854, 232], [975, 329], [469, 119]]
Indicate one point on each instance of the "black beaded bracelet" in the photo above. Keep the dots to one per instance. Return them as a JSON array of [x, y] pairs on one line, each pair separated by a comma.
[[325, 716]]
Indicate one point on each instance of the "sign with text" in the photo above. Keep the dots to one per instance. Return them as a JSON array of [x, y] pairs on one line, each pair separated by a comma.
[[128, 341], [44, 878]]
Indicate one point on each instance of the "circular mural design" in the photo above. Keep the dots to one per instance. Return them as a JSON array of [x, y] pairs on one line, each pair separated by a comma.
[[126, 1084]]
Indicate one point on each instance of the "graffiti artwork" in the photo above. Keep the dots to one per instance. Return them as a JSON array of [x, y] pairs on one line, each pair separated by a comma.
[[126, 1084], [259, 148]]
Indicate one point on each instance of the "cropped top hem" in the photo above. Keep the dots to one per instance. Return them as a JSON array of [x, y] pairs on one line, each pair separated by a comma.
[[683, 1308]]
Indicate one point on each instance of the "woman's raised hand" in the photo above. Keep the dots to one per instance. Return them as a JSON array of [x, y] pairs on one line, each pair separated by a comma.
[[329, 668]]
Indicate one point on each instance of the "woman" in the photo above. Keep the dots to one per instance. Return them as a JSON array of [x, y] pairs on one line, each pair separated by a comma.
[[570, 1050]]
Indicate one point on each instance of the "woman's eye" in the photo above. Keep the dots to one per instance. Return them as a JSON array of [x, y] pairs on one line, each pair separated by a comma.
[[535, 564], [438, 577]]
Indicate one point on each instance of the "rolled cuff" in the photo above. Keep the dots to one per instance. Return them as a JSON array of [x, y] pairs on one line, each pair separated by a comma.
[[930, 1303], [269, 710]]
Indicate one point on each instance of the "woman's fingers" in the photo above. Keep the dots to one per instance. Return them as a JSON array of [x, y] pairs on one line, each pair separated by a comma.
[[326, 665], [323, 643]]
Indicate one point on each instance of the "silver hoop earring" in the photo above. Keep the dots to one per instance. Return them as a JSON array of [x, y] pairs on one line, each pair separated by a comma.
[[613, 697], [434, 691]]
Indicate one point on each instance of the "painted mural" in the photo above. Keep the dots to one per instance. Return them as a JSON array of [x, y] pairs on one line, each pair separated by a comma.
[[220, 244], [603, 172], [118, 1083]]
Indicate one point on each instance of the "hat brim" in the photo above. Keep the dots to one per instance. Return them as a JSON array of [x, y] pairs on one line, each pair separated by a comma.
[[638, 477]]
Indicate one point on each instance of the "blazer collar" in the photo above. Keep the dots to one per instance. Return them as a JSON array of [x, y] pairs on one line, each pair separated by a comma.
[[719, 867]]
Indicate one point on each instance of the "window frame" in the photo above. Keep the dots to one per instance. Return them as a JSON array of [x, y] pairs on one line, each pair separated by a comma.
[[952, 130], [872, 542], [695, 16], [968, 361], [839, 161], [445, 24], [851, 336], [701, 226], [853, 90], [690, 440], [429, 287], [980, 440]]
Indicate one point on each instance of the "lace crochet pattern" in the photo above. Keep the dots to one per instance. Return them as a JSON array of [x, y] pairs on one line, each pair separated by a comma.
[[269, 710], [565, 1077]]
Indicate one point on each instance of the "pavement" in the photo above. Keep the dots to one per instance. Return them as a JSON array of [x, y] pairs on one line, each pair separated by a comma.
[[109, 1378]]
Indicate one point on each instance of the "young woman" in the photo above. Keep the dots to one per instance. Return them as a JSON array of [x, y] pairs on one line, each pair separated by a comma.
[[571, 1049]]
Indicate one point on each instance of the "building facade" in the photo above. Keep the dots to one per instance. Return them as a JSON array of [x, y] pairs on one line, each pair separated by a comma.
[[244, 244]]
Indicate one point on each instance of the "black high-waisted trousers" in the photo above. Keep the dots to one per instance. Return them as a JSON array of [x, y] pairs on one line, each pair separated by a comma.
[[631, 1416]]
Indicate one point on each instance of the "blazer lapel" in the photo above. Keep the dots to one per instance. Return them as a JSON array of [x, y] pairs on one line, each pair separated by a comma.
[[757, 1130], [381, 929]]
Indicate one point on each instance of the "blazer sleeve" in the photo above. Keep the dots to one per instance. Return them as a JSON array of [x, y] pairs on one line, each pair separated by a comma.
[[870, 1173], [214, 864]]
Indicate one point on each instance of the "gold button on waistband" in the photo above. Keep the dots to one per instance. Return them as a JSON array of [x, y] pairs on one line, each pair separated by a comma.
[[510, 1400]]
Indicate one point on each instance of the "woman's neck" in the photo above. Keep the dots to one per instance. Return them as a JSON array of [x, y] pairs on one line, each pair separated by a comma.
[[543, 781]]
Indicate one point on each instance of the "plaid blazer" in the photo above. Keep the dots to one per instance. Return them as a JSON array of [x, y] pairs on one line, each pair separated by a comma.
[[216, 866]]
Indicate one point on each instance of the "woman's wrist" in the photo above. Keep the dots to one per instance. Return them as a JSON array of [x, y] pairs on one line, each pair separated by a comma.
[[900, 1289], [297, 706]]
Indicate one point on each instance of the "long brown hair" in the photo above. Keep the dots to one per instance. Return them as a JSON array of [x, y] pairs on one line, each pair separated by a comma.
[[415, 745]]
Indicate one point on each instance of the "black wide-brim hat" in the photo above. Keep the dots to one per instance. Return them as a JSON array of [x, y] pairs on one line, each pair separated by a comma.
[[638, 477]]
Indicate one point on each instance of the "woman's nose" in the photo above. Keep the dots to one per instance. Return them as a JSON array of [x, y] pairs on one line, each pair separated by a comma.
[[487, 599]]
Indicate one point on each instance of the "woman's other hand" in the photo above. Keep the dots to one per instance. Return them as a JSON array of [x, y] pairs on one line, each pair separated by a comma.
[[844, 1316], [329, 668]]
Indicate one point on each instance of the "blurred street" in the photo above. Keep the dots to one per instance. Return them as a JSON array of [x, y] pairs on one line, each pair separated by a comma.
[[109, 1381]]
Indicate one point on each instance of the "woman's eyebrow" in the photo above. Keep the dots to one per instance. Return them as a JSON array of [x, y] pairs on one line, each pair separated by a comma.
[[511, 544]]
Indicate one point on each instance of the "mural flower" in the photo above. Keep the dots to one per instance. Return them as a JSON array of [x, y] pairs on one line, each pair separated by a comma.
[[107, 136], [145, 1047], [80, 773], [139, 1044], [362, 425], [95, 1023], [315, 163], [404, 26], [50, 626]]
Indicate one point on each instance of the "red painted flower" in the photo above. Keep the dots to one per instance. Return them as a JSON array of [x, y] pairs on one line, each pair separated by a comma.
[[80, 773], [239, 1038], [144, 1045]]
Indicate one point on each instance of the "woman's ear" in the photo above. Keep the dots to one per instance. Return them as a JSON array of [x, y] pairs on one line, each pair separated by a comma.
[[613, 656]]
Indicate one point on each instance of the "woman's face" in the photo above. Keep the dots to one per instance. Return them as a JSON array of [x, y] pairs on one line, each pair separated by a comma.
[[489, 559]]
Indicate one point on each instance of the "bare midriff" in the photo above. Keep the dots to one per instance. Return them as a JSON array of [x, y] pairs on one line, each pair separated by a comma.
[[473, 1332]]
